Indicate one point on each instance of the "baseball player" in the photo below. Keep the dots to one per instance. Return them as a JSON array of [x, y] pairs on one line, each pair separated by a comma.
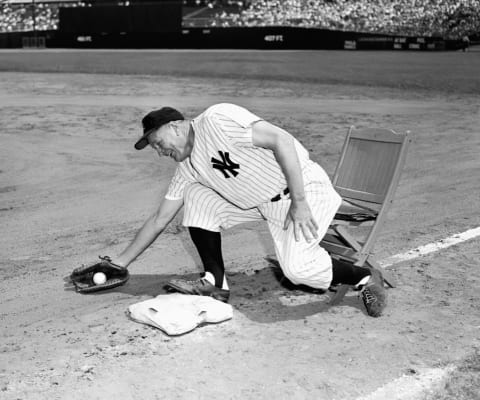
[[234, 167]]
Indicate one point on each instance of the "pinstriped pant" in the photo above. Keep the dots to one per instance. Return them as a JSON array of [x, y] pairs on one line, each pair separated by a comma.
[[301, 262]]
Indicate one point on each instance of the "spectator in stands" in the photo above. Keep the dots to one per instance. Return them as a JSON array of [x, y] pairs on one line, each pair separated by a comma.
[[466, 43]]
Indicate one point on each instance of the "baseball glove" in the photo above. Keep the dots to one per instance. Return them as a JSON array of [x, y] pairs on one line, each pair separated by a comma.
[[82, 277]]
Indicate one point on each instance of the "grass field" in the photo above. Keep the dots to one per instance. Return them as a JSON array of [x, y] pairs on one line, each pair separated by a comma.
[[463, 384], [445, 72], [72, 187]]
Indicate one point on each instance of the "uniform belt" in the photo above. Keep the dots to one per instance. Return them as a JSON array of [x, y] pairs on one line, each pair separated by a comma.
[[279, 196]]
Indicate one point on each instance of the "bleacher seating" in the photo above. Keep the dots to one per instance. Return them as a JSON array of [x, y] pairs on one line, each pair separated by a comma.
[[444, 18], [16, 16]]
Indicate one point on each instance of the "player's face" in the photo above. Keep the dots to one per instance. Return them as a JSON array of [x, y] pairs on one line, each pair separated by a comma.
[[166, 142]]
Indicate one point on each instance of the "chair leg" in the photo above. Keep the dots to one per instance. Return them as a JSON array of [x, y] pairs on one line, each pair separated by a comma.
[[339, 295], [365, 258], [387, 276]]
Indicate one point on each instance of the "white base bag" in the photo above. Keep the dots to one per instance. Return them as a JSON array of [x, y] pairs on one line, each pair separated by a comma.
[[178, 313]]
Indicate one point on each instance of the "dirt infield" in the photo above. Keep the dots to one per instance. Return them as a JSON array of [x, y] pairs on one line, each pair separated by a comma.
[[72, 187]]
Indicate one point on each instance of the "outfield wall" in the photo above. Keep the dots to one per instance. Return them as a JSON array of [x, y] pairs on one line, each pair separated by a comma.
[[275, 38]]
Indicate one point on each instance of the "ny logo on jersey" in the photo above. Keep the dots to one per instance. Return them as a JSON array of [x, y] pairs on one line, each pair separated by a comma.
[[225, 165]]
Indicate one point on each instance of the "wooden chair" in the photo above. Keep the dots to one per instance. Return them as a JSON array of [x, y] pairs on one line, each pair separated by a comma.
[[366, 177]]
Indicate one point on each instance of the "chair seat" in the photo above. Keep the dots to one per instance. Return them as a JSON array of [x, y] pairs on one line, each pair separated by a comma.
[[352, 212]]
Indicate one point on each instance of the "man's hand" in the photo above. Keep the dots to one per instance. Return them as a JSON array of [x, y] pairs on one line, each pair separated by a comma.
[[300, 215]]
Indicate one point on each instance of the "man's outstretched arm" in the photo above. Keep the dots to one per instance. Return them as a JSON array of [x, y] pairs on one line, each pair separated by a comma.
[[150, 230]]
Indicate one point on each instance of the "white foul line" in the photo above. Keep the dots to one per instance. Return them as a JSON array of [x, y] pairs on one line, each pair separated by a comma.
[[406, 387], [411, 387], [397, 258], [431, 247], [415, 387]]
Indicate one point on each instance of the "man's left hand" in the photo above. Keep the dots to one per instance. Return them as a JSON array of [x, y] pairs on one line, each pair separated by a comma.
[[301, 216]]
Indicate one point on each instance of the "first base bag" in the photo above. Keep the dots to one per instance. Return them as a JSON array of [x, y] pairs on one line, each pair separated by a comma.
[[178, 313]]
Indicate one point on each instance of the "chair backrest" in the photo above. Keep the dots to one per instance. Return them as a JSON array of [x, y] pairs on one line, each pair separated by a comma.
[[368, 172], [370, 164]]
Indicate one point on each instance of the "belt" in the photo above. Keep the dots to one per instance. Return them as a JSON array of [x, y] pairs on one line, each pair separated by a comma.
[[279, 196]]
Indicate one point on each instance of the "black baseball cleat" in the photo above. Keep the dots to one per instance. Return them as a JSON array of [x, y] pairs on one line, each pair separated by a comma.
[[200, 287], [374, 295]]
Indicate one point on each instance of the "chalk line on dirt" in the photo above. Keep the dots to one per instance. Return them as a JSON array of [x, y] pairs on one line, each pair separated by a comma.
[[407, 387], [410, 387], [397, 258], [431, 247]]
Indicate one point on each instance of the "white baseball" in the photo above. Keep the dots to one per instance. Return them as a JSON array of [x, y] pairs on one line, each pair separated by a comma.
[[99, 278]]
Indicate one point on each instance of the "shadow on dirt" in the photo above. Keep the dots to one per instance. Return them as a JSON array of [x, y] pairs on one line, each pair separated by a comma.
[[265, 296]]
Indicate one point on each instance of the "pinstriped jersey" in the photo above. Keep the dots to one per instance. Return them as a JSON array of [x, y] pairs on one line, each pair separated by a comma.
[[225, 159]]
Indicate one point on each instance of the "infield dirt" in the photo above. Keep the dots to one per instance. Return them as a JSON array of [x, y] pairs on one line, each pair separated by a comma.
[[72, 187]]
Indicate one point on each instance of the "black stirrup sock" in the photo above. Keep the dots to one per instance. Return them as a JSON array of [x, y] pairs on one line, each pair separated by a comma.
[[209, 247], [348, 274]]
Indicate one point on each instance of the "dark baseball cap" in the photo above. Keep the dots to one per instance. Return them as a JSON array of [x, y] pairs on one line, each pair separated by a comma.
[[154, 120]]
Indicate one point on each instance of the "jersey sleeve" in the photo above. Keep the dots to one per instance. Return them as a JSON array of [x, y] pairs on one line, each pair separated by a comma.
[[183, 176], [236, 123]]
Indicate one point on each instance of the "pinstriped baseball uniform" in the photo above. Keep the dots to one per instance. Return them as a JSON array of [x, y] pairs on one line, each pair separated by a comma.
[[227, 181]]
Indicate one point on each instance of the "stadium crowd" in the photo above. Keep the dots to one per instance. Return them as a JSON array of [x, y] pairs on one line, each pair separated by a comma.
[[18, 17], [445, 18]]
